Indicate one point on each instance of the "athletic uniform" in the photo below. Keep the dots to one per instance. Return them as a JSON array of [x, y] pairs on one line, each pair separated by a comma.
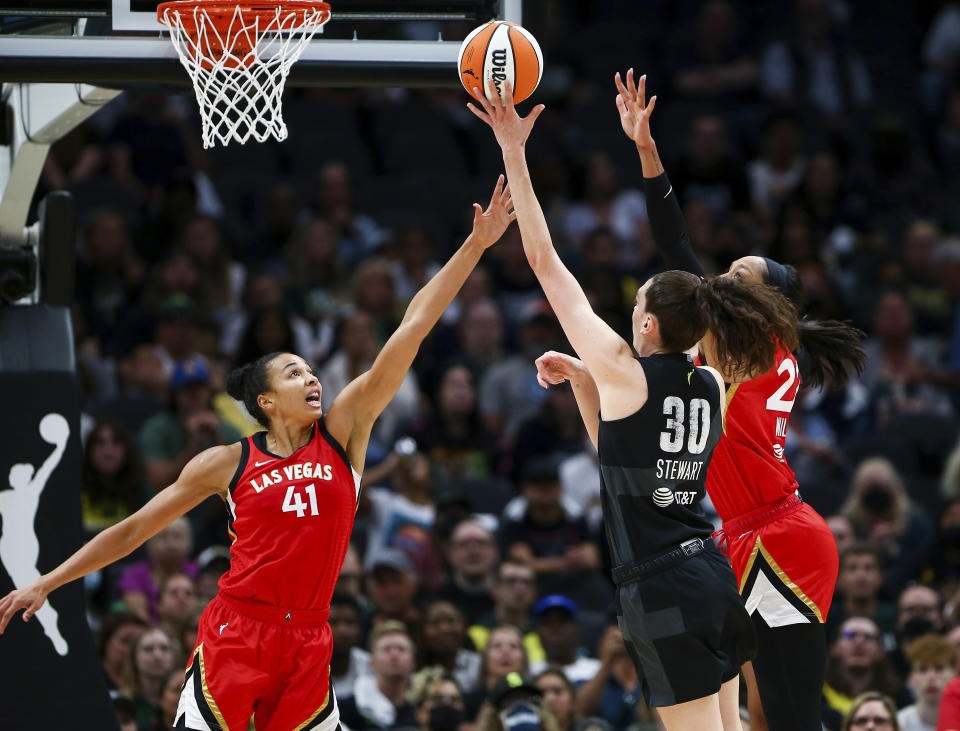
[[782, 551], [679, 610], [264, 644]]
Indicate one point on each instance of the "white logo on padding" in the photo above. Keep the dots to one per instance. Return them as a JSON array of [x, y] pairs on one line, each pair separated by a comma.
[[19, 544], [662, 497]]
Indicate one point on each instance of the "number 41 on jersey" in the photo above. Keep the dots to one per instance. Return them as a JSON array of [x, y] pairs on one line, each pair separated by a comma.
[[292, 502]]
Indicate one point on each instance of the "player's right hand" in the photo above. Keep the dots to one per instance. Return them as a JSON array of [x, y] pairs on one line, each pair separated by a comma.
[[29, 598], [634, 110], [554, 368]]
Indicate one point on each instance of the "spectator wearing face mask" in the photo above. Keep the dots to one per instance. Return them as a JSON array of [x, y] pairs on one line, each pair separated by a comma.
[[882, 513], [439, 706]]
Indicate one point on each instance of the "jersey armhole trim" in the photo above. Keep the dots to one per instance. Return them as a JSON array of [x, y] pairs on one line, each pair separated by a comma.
[[337, 447], [242, 465]]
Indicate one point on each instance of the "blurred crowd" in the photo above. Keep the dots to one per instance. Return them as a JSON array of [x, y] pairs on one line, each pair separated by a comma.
[[822, 133]]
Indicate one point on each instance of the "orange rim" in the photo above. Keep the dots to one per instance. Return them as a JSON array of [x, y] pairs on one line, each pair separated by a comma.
[[220, 14]]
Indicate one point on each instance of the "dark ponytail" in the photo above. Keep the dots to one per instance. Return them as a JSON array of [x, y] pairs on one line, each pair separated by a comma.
[[247, 382], [829, 350], [749, 321]]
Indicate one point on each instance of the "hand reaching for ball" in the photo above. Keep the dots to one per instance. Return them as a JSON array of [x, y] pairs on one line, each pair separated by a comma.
[[634, 111], [509, 127]]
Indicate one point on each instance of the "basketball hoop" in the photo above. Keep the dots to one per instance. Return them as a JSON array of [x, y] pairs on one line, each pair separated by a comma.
[[238, 54]]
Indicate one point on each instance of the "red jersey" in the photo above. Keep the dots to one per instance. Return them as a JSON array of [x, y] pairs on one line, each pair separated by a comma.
[[290, 521], [749, 469]]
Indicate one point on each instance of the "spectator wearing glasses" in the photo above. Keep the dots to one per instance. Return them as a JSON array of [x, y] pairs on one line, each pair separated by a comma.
[[871, 711], [514, 593], [857, 664], [931, 668]]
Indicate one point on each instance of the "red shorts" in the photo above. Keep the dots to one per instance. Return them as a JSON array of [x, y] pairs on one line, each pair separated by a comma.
[[785, 560], [261, 661]]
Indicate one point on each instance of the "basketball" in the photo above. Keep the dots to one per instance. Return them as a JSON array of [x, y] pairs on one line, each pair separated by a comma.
[[501, 51]]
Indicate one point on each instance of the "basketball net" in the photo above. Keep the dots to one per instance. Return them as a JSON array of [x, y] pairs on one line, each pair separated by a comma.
[[238, 55]]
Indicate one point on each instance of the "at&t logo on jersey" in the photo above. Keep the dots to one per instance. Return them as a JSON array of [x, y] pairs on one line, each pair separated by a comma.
[[778, 452], [663, 496]]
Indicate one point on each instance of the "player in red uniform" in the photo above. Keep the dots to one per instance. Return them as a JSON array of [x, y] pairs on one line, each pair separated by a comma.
[[782, 552], [264, 643]]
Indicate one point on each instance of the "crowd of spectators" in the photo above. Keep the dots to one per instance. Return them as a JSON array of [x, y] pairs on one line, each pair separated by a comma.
[[826, 136]]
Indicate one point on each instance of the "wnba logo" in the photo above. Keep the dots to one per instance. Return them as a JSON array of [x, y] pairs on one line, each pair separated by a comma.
[[662, 497], [499, 62]]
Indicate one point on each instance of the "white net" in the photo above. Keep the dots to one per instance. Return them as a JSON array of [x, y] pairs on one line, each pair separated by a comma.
[[238, 58]]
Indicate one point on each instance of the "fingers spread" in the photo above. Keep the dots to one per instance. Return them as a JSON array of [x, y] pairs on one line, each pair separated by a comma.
[[478, 113]]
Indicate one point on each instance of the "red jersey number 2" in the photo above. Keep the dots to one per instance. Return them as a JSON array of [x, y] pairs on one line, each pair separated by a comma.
[[776, 402]]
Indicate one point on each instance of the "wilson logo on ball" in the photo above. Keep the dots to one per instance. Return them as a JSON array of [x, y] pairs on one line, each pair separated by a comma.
[[662, 497], [500, 51]]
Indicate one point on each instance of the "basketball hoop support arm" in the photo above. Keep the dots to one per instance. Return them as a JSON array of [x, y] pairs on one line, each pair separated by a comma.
[[42, 114]]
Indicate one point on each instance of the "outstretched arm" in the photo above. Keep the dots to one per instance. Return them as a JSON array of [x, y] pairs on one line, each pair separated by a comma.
[[666, 219], [207, 473], [353, 412], [554, 368], [604, 352]]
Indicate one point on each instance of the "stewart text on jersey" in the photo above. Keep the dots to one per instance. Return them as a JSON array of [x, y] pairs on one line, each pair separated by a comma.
[[653, 463]]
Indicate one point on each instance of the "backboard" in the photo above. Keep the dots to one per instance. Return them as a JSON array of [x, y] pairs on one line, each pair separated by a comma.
[[120, 44]]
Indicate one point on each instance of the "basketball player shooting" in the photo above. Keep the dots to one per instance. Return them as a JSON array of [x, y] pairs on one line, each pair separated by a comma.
[[291, 491]]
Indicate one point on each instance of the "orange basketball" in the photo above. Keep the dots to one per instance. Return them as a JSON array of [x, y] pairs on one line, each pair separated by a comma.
[[501, 51]]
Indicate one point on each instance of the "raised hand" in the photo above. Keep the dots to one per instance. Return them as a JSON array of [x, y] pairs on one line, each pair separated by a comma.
[[510, 128], [554, 368], [489, 225], [29, 598], [634, 111]]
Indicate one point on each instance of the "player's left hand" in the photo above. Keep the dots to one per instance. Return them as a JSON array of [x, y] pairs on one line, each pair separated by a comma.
[[509, 127], [489, 225], [554, 368], [634, 110]]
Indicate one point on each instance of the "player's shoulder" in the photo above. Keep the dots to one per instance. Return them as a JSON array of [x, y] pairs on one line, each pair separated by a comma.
[[216, 464], [715, 374]]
